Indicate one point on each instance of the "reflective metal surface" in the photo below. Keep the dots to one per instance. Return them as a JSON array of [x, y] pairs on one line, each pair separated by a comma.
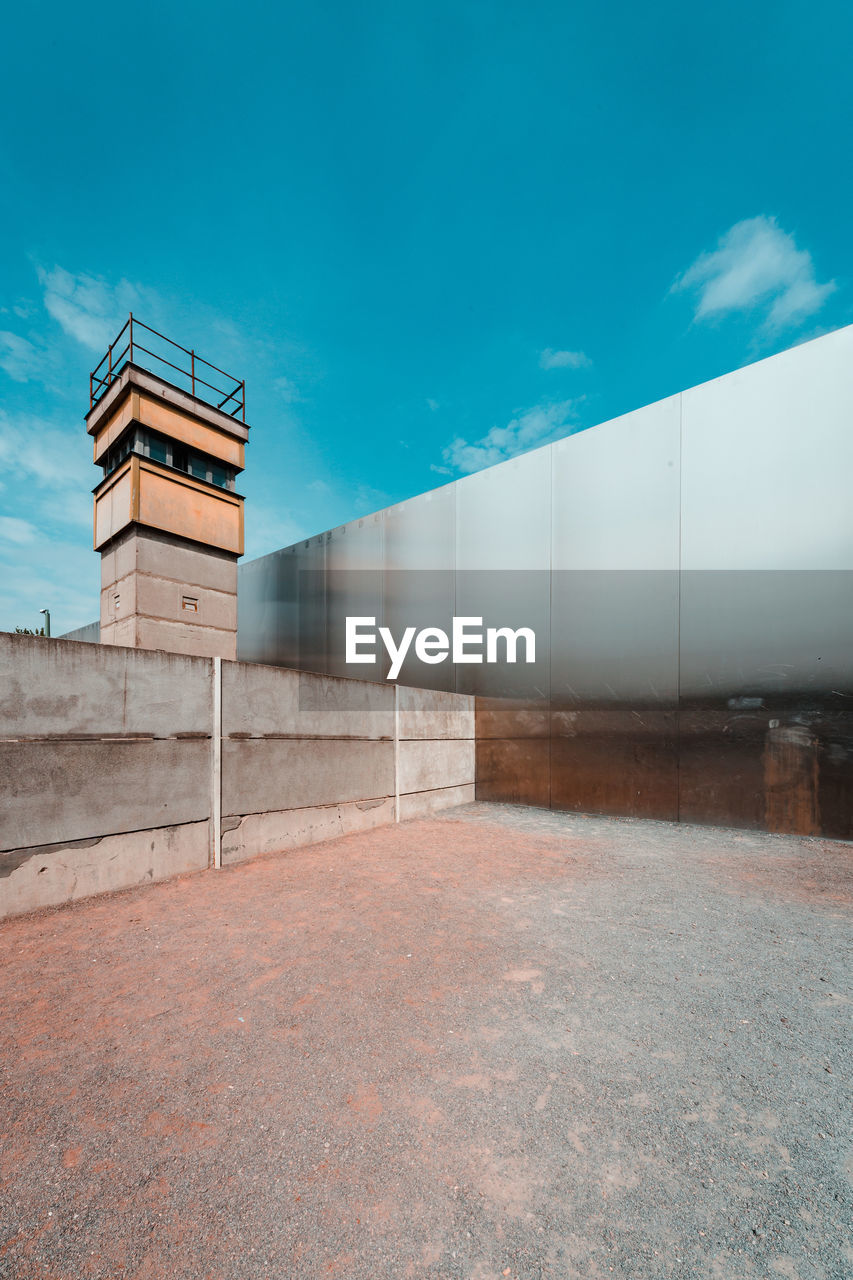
[[420, 579], [688, 572]]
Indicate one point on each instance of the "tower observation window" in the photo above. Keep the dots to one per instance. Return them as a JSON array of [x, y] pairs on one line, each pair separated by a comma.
[[171, 453]]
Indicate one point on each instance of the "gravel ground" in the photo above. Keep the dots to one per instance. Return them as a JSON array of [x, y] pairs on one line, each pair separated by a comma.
[[502, 1042]]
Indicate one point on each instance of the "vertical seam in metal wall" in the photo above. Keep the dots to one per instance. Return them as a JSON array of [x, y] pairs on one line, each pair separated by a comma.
[[678, 618], [216, 766], [396, 752]]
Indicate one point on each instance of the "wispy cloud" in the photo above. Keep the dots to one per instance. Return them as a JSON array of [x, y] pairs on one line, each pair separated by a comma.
[[18, 356], [88, 308], [34, 450], [537, 426], [756, 265], [52, 469], [551, 359], [287, 390], [46, 560], [13, 529], [61, 576]]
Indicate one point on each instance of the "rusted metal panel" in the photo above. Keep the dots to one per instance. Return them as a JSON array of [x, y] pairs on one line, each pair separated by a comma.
[[180, 505]]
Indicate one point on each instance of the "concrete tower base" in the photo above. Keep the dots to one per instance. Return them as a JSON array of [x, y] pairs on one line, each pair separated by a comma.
[[159, 591]]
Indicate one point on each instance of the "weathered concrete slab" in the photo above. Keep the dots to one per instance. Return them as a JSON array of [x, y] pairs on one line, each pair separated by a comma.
[[420, 804], [268, 775], [429, 713], [258, 833], [259, 700], [183, 637], [69, 689], [51, 874], [145, 551], [97, 742], [61, 791], [431, 766], [161, 598]]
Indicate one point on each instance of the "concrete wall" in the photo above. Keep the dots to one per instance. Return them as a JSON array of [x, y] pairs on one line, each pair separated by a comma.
[[435, 750], [110, 773]]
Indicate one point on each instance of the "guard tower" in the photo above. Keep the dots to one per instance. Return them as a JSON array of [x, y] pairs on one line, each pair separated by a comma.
[[168, 519]]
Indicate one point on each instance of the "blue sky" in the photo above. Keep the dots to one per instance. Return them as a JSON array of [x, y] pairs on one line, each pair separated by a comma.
[[428, 235]]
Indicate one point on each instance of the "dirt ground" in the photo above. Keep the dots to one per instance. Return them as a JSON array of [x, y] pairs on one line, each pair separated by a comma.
[[502, 1042]]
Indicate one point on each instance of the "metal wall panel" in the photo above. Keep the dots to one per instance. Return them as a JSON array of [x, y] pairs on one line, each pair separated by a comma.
[[503, 563], [353, 588], [503, 558], [267, 612], [614, 616], [768, 463], [688, 571], [420, 582], [766, 662]]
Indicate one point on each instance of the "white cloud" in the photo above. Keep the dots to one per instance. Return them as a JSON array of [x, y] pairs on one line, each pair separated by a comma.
[[46, 557], [432, 405], [87, 307], [550, 359], [537, 426], [756, 264], [18, 357], [61, 576], [52, 469], [13, 529]]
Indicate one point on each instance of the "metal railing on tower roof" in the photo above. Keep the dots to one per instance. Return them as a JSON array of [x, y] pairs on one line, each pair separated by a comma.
[[127, 348]]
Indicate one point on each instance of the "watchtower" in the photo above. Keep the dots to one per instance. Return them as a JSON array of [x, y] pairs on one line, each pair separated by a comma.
[[168, 518]]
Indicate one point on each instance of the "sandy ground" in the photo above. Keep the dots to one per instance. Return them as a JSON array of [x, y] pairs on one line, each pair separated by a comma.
[[503, 1042]]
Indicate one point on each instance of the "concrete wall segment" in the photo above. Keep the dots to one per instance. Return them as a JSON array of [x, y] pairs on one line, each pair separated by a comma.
[[259, 833], [261, 775], [107, 768], [52, 688], [420, 804], [430, 713], [73, 790], [49, 875], [432, 765], [263, 701]]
